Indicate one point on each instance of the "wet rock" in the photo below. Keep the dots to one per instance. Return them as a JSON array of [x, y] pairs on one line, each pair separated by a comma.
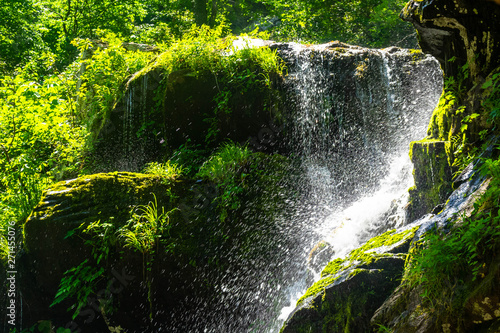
[[463, 30], [402, 312], [49, 252], [432, 175], [351, 289]]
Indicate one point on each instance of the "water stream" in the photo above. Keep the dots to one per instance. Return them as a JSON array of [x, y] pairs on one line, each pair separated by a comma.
[[357, 168]]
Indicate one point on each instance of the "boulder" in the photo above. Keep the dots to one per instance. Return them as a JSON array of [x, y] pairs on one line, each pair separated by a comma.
[[50, 251], [351, 289]]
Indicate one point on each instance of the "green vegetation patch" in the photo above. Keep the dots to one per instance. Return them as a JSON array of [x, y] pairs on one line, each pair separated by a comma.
[[461, 257]]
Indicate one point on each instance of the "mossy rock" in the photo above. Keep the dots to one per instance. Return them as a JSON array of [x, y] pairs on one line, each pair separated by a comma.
[[432, 175], [64, 206], [161, 109], [352, 288]]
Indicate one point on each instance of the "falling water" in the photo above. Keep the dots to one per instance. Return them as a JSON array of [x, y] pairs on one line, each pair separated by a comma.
[[357, 178]]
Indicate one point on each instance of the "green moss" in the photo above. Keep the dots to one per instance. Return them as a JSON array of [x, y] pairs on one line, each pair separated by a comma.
[[388, 238], [432, 173], [317, 288], [92, 198], [443, 117], [334, 267], [363, 255]]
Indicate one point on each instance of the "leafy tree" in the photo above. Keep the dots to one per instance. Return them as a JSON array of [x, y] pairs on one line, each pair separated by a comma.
[[83, 18], [19, 35]]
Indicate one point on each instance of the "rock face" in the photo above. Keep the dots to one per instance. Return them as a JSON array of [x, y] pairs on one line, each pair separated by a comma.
[[365, 94], [432, 174], [402, 311], [162, 110], [50, 253], [184, 278], [462, 35], [463, 30], [352, 288], [342, 301]]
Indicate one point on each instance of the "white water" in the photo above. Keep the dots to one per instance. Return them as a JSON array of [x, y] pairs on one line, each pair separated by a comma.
[[374, 209]]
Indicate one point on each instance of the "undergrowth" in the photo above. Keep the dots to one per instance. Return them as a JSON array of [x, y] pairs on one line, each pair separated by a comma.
[[446, 266], [203, 51], [228, 167], [147, 229]]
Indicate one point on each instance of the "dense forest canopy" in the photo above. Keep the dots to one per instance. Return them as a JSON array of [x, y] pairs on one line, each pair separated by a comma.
[[33, 31]]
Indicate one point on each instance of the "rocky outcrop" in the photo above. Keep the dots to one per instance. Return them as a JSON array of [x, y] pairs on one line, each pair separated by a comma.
[[365, 94], [352, 288], [183, 278], [462, 35], [432, 175], [341, 301], [163, 109], [50, 252], [458, 32], [403, 311]]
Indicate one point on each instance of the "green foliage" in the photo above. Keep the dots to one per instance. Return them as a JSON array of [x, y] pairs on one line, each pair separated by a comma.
[[444, 260], [101, 78], [203, 51], [82, 19], [79, 282], [373, 23], [168, 171], [20, 40], [228, 168], [39, 142], [226, 163], [142, 233], [492, 101], [145, 228], [190, 157]]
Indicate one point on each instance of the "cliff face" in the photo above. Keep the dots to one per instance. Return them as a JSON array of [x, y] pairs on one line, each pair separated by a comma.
[[464, 30], [464, 37]]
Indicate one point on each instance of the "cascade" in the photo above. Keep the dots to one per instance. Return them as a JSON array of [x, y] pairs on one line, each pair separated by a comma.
[[348, 115], [356, 111]]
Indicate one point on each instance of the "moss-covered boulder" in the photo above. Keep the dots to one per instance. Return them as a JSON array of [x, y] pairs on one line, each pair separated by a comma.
[[184, 275], [49, 252], [166, 104], [351, 289]]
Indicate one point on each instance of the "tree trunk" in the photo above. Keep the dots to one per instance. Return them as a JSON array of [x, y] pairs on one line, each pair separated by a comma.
[[213, 14], [200, 12]]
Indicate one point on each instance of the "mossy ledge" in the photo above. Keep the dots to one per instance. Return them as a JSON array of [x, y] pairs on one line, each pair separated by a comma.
[[352, 288], [432, 174]]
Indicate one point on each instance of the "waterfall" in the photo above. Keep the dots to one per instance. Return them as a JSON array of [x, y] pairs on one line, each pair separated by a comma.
[[354, 146], [136, 116]]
